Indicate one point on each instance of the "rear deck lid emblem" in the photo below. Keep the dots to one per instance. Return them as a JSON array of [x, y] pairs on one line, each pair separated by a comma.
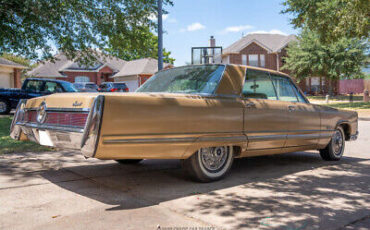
[[76, 103]]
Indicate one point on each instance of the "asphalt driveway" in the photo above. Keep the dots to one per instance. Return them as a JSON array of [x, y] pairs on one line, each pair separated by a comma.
[[62, 190]]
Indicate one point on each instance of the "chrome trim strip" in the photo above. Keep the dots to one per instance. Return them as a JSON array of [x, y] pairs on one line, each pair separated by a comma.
[[266, 137], [304, 136], [90, 138], [15, 130], [150, 140], [172, 134], [175, 140], [51, 127], [62, 109]]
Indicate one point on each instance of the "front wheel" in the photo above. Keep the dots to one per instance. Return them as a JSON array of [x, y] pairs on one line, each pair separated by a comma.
[[4, 107], [209, 164], [334, 150]]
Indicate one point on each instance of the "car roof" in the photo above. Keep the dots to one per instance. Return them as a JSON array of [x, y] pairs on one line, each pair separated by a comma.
[[47, 79]]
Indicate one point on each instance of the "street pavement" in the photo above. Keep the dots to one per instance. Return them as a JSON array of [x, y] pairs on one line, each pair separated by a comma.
[[62, 190]]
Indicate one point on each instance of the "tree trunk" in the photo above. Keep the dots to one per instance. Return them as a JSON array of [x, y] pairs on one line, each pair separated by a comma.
[[330, 88]]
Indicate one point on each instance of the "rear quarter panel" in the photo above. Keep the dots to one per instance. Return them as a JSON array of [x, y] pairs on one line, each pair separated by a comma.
[[331, 118], [140, 125]]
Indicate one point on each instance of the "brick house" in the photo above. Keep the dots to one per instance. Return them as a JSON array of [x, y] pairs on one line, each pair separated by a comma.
[[105, 69], [10, 74], [268, 51]]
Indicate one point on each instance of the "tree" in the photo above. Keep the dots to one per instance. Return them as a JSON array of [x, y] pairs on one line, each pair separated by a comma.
[[123, 47], [331, 19], [310, 57], [31, 27]]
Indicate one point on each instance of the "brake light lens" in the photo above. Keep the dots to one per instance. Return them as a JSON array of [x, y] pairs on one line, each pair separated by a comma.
[[113, 89], [126, 90]]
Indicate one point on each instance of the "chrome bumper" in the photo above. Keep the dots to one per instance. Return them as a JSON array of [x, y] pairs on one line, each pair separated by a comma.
[[354, 137], [85, 140]]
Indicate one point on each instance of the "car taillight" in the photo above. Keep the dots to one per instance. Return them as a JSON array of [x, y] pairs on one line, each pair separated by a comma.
[[113, 89], [126, 90]]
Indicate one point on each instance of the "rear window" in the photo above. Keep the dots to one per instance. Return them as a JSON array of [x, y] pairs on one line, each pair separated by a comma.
[[91, 86], [119, 85]]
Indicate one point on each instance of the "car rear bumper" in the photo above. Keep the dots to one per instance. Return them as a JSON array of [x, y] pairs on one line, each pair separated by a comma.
[[60, 136]]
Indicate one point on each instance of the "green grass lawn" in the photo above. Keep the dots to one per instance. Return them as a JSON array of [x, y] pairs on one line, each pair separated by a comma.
[[353, 105], [8, 145]]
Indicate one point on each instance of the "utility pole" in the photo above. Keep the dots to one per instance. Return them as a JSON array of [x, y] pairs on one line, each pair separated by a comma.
[[160, 36]]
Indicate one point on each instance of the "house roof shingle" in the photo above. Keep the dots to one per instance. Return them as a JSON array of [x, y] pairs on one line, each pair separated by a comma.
[[271, 42], [6, 62], [121, 67], [140, 66]]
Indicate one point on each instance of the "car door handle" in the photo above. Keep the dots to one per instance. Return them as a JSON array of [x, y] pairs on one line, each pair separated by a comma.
[[291, 108], [250, 105]]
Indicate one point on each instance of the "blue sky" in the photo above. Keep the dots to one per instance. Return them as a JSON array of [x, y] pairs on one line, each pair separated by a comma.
[[191, 22]]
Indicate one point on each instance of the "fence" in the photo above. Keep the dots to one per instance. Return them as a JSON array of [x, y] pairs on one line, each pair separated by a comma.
[[353, 85]]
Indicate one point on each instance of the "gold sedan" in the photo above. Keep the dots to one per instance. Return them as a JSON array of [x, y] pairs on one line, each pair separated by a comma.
[[205, 115]]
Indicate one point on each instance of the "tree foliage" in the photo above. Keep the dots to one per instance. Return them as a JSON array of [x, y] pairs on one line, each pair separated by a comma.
[[123, 47], [31, 27], [331, 19], [310, 57]]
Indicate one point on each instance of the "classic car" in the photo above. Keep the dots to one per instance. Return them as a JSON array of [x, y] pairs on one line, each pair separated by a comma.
[[204, 115], [32, 87]]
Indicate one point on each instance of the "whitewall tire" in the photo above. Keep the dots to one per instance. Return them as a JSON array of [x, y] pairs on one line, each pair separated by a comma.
[[209, 164]]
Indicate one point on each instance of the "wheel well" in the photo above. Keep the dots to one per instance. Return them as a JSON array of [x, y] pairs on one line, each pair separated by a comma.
[[347, 131], [237, 151]]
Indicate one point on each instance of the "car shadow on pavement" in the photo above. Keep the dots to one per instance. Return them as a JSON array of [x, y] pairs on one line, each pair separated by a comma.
[[296, 190]]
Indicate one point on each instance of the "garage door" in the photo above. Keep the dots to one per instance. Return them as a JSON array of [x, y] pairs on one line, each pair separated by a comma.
[[5, 80], [131, 84]]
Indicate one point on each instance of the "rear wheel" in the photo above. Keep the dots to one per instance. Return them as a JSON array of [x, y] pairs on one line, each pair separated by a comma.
[[4, 107], [129, 161], [209, 164], [334, 150]]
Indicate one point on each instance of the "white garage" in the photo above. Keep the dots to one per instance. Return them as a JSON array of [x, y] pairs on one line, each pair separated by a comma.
[[10, 74], [132, 82], [6, 80]]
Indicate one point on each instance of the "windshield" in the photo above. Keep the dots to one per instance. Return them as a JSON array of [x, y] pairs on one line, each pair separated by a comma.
[[187, 79], [68, 87]]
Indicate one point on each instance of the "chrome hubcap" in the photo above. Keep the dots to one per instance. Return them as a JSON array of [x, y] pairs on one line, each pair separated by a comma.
[[2, 107], [337, 142], [213, 158]]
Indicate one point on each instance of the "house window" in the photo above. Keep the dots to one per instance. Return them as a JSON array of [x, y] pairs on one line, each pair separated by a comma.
[[253, 59], [262, 60], [82, 79], [244, 59]]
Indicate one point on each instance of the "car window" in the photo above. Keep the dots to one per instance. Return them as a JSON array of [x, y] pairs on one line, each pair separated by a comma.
[[299, 95], [258, 85], [91, 86], [52, 87], [34, 86], [284, 88], [68, 87], [103, 86], [119, 85], [185, 79]]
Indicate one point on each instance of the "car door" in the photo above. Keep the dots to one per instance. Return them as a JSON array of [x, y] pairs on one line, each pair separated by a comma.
[[303, 121], [264, 115]]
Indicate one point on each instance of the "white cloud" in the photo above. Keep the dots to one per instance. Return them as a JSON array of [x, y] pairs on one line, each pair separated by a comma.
[[195, 26], [234, 29], [274, 31], [153, 17]]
